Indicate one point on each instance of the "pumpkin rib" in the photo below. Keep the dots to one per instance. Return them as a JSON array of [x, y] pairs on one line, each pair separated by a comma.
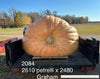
[[50, 36], [38, 50], [43, 50], [43, 28], [61, 34], [63, 45], [38, 35], [52, 23], [60, 52], [35, 30], [33, 44], [49, 24], [56, 35], [73, 37], [63, 48]]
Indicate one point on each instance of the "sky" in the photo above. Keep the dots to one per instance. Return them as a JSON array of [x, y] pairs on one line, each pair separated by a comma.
[[90, 8]]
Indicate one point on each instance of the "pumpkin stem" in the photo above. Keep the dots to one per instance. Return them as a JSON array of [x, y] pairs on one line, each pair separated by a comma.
[[49, 40]]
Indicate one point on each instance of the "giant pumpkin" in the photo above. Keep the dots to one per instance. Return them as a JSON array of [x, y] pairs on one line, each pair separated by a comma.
[[50, 37]]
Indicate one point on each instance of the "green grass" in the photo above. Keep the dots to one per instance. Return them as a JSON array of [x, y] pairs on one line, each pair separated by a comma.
[[81, 28], [87, 29], [12, 31], [9, 31]]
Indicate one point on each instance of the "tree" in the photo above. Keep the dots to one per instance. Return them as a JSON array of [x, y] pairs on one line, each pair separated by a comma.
[[47, 12], [41, 13], [26, 20], [22, 19], [81, 19], [86, 19], [55, 13], [68, 18], [12, 13], [1, 21], [74, 19], [3, 16], [19, 18], [34, 16], [18, 21], [9, 22]]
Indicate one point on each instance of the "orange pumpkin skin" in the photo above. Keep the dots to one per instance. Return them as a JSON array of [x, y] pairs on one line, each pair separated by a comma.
[[50, 37]]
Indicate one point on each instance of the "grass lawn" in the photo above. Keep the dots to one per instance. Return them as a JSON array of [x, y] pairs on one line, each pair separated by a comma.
[[87, 29], [9, 31], [81, 28], [12, 31]]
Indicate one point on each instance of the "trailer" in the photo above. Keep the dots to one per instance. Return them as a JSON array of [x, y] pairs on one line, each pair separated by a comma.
[[85, 58]]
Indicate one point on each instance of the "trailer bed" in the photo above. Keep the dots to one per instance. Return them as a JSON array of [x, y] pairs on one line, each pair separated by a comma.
[[76, 60]]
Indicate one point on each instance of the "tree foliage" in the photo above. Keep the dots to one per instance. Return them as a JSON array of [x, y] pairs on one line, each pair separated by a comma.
[[9, 22], [19, 19], [26, 20], [14, 18], [22, 19], [34, 16], [75, 20]]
